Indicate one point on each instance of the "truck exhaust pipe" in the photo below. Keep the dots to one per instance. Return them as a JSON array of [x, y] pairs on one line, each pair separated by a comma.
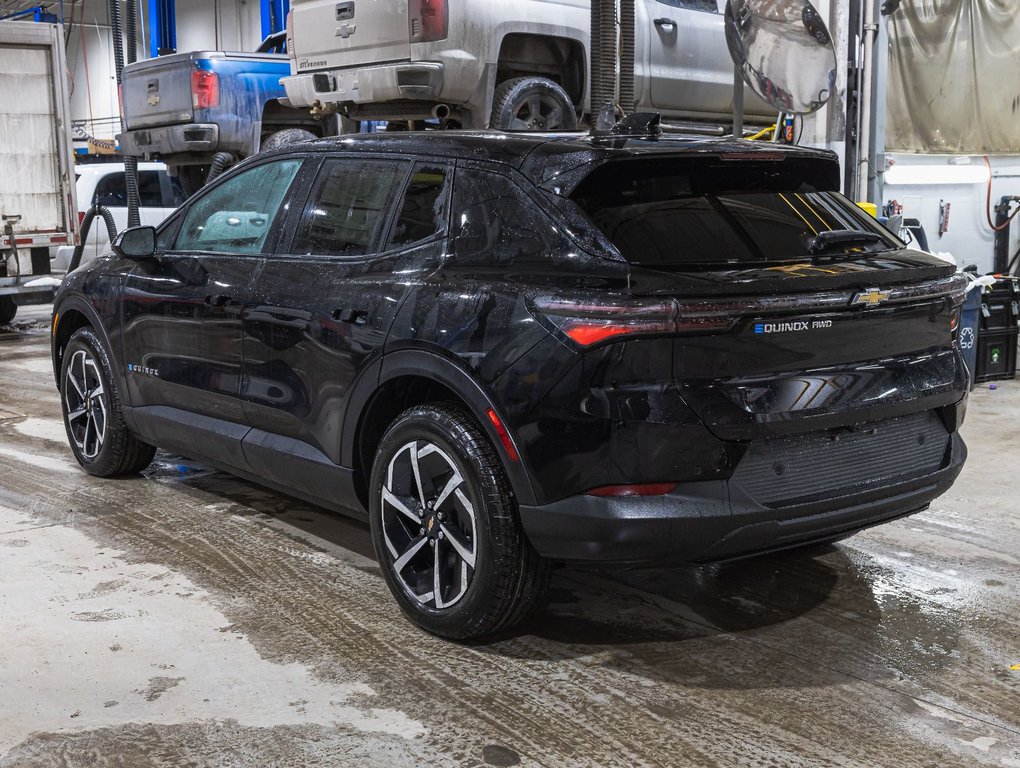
[[441, 111]]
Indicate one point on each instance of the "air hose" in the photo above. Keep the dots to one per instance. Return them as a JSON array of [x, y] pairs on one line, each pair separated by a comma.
[[86, 226], [131, 163], [219, 164]]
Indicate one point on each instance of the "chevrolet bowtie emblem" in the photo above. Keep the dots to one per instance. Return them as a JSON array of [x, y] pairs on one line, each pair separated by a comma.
[[870, 297]]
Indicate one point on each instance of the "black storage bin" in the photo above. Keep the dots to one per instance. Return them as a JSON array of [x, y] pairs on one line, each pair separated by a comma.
[[996, 356], [1000, 306]]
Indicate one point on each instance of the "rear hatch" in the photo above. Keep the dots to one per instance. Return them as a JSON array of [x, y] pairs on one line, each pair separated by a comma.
[[158, 91], [331, 35], [789, 307]]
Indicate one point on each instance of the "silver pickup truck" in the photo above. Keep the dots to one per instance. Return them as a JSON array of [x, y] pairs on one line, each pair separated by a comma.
[[514, 65]]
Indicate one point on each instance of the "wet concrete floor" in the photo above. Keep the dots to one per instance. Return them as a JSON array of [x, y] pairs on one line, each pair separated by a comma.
[[186, 618]]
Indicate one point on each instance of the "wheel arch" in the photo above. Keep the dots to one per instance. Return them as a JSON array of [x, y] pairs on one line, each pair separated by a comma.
[[406, 378], [69, 316], [561, 58]]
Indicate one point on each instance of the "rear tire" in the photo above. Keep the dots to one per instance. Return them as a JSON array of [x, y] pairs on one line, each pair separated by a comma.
[[444, 523], [90, 402], [532, 104], [285, 138], [8, 309]]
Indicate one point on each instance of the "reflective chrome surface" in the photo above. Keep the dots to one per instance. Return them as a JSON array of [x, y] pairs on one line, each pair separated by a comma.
[[784, 52]]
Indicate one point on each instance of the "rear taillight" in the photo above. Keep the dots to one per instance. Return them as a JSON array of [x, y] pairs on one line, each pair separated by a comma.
[[205, 89], [81, 217], [290, 35], [595, 320], [428, 20]]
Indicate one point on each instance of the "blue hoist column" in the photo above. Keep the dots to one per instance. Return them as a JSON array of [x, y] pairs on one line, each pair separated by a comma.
[[162, 28], [274, 16]]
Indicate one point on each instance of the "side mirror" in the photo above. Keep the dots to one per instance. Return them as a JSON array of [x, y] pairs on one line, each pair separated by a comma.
[[136, 243]]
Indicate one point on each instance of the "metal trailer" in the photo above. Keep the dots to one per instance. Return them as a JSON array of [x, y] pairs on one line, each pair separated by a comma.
[[37, 194]]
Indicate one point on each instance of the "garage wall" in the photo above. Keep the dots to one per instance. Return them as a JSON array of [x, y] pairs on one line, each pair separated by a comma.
[[969, 237]]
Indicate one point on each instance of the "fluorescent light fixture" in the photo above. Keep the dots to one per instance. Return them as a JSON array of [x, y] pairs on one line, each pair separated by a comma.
[[935, 175]]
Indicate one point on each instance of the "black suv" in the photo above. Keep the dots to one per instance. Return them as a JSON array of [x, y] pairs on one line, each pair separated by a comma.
[[512, 351]]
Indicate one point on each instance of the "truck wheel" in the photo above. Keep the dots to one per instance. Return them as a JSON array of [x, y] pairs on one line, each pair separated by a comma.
[[286, 137], [8, 309], [192, 177], [532, 104], [445, 527], [90, 401]]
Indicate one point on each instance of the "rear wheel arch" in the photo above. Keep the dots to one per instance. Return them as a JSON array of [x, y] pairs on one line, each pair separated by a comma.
[[407, 378], [560, 59]]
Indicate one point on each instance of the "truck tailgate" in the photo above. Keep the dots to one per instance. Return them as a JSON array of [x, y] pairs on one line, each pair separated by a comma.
[[158, 91], [29, 145], [328, 34]]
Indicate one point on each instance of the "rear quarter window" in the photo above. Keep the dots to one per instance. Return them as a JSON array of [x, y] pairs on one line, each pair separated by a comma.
[[497, 222]]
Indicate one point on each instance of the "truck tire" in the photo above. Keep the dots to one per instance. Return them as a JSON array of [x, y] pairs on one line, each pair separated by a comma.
[[532, 104], [8, 309], [192, 177], [286, 137]]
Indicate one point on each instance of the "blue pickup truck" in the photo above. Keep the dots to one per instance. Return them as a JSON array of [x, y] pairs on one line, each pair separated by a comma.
[[186, 108]]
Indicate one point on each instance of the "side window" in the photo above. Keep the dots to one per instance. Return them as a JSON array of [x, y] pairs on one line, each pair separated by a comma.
[[348, 206], [111, 190], [692, 5], [423, 209], [496, 222], [235, 216]]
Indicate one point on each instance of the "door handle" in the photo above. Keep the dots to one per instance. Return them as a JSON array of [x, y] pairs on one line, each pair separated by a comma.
[[356, 316], [665, 23], [219, 300]]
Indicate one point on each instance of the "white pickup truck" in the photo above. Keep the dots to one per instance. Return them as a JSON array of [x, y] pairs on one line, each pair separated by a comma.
[[36, 170], [515, 65]]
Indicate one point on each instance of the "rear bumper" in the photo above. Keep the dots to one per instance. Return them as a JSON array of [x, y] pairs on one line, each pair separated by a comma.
[[419, 81], [711, 521], [198, 138]]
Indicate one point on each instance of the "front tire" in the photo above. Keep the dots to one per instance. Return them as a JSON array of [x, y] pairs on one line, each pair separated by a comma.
[[90, 402], [8, 309], [445, 527]]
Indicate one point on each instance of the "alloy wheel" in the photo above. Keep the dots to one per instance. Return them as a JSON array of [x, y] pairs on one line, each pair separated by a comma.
[[84, 399], [538, 112], [428, 525]]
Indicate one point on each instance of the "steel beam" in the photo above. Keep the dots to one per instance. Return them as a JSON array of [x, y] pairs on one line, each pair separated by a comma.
[[162, 27], [274, 16]]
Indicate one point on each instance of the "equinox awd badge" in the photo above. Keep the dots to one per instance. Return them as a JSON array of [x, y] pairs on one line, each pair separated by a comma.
[[794, 325]]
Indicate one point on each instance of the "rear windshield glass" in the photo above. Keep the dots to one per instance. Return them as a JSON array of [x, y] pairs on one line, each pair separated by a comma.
[[720, 213]]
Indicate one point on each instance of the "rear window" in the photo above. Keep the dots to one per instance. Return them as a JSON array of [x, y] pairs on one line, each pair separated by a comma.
[[719, 212]]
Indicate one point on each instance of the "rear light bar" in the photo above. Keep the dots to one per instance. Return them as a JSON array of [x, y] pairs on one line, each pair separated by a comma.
[[205, 89], [594, 318], [641, 489], [428, 20], [593, 321]]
